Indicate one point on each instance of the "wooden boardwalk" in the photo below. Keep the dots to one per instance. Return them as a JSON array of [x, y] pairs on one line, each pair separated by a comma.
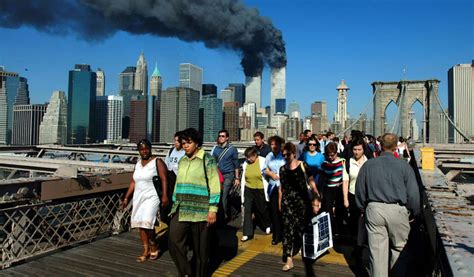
[[115, 256]]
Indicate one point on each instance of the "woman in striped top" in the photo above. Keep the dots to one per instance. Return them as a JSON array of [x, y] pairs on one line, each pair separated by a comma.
[[333, 168]]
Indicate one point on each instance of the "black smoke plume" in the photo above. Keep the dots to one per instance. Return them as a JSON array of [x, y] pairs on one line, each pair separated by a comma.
[[217, 23]]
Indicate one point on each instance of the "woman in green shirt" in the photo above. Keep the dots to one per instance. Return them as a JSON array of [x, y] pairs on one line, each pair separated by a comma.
[[195, 199], [254, 194]]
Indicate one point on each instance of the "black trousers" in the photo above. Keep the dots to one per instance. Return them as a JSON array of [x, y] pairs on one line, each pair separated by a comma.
[[275, 216], [178, 237], [255, 202], [331, 200], [354, 215]]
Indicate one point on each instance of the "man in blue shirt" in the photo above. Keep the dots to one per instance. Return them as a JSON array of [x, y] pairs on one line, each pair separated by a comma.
[[228, 163]]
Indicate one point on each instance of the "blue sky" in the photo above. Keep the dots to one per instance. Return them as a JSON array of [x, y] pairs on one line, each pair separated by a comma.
[[326, 41]]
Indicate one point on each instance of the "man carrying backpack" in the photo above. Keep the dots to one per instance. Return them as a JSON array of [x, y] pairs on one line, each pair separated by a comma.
[[227, 161]]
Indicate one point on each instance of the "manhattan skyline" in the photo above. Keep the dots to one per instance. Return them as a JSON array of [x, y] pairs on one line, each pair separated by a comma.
[[325, 41]]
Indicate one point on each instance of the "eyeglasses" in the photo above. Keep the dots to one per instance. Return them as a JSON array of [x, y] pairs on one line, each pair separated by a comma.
[[311, 144]]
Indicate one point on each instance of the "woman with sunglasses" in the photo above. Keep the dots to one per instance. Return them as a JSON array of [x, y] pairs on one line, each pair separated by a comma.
[[313, 158], [296, 204]]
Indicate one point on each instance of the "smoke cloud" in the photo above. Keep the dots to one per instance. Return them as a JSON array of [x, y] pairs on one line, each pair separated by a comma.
[[217, 23]]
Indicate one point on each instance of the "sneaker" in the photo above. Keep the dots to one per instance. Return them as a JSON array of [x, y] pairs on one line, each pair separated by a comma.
[[268, 231], [244, 238]]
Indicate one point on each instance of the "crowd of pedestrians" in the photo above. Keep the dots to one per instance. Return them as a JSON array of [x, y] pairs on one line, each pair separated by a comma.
[[363, 182]]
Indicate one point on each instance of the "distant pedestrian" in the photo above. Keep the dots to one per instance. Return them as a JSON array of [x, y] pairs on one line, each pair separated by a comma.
[[295, 202], [175, 154], [274, 161], [196, 198], [262, 147], [387, 191], [254, 192], [301, 144], [145, 198], [228, 163]]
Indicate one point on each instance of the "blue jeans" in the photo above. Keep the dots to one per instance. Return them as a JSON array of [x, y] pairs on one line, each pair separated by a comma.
[[228, 183]]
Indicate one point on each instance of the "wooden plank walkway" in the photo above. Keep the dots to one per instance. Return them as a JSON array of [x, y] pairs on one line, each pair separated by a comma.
[[115, 256]]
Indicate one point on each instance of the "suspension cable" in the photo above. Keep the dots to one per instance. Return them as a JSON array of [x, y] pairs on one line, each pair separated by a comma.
[[358, 119], [450, 121]]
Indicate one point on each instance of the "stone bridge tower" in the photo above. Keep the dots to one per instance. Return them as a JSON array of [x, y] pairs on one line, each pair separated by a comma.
[[404, 94]]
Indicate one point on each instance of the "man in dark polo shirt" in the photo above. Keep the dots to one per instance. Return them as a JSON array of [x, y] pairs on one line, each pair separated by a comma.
[[262, 148], [387, 192], [228, 163]]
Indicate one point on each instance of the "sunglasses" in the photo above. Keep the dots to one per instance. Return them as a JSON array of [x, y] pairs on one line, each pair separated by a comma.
[[222, 136], [311, 144]]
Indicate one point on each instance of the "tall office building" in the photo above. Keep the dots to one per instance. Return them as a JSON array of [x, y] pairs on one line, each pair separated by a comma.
[[231, 120], [250, 111], [190, 76], [239, 92], [81, 105], [141, 75], [100, 82], [280, 105], [109, 118], [319, 117], [291, 128], [278, 89], [127, 79], [179, 110], [26, 123], [210, 115], [209, 90], [461, 100], [262, 118], [319, 108], [227, 95], [156, 83], [13, 91], [53, 128], [293, 107], [277, 121], [253, 90], [341, 114], [138, 120]]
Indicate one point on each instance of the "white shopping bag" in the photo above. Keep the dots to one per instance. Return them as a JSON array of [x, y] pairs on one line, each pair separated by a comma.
[[317, 237]]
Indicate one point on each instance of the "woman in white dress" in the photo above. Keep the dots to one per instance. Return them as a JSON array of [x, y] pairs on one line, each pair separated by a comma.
[[145, 198]]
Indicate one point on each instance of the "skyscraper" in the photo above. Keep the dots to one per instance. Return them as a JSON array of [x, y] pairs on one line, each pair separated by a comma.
[[239, 93], [127, 79], [293, 107], [278, 87], [250, 110], [156, 83], [26, 123], [341, 115], [190, 76], [100, 82], [138, 120], [141, 75], [179, 110], [209, 89], [13, 90], [319, 108], [280, 105], [211, 116], [53, 128], [81, 104], [461, 100], [231, 120], [253, 90], [227, 95], [109, 117], [319, 117]]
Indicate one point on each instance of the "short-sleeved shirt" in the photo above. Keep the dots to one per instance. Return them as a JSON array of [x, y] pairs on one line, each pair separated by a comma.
[[172, 159], [353, 172], [273, 163], [333, 171]]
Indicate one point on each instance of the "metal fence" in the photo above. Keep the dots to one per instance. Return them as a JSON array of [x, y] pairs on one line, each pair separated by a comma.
[[34, 229]]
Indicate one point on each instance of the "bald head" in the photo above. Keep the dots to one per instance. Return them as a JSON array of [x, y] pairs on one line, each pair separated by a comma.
[[389, 142]]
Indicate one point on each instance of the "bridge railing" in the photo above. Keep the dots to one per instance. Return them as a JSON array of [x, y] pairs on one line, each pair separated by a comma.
[[33, 229]]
